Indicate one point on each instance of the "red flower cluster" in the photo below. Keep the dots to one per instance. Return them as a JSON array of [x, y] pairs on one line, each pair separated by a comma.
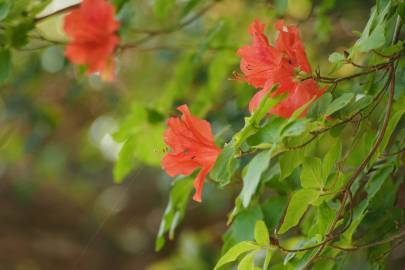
[[92, 31], [192, 146], [264, 65]]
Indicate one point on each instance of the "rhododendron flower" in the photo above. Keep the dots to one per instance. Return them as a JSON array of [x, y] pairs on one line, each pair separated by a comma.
[[264, 65], [91, 29], [192, 146]]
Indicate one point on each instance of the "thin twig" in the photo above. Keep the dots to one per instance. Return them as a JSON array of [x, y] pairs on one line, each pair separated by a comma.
[[366, 246]]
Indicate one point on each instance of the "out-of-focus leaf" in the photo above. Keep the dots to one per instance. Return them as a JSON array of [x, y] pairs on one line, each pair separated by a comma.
[[5, 64], [336, 57], [163, 7], [18, 34], [125, 162], [401, 11], [4, 8], [190, 5], [175, 210], [281, 6]]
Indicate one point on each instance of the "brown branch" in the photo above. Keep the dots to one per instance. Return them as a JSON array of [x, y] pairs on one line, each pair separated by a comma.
[[395, 153], [370, 69], [366, 246], [363, 164]]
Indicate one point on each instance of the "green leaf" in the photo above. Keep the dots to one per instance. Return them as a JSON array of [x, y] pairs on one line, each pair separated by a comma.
[[163, 7], [401, 11], [4, 9], [398, 110], [125, 162], [262, 234], [289, 161], [333, 155], [233, 253], [273, 209], [247, 263], [5, 64], [336, 57], [374, 36], [311, 174], [269, 254], [225, 165], [190, 5], [298, 112], [299, 203], [175, 210], [281, 6], [374, 184], [242, 228], [252, 123], [339, 103], [323, 220], [319, 107], [295, 128], [254, 171], [18, 35]]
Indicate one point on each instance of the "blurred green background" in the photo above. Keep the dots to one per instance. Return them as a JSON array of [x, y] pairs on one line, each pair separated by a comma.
[[61, 132]]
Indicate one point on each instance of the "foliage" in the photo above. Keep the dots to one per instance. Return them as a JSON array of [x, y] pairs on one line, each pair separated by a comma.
[[311, 190]]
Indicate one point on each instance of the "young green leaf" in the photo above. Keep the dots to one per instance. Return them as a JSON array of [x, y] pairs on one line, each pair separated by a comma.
[[333, 155], [233, 253], [289, 161], [247, 263], [311, 174], [254, 171], [262, 234], [175, 210], [225, 165], [299, 203], [125, 162], [269, 254]]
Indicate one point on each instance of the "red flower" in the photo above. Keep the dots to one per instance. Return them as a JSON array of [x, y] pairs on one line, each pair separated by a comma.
[[264, 65], [192, 146], [92, 31]]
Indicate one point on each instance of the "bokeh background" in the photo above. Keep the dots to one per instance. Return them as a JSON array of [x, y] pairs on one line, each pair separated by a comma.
[[61, 132]]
